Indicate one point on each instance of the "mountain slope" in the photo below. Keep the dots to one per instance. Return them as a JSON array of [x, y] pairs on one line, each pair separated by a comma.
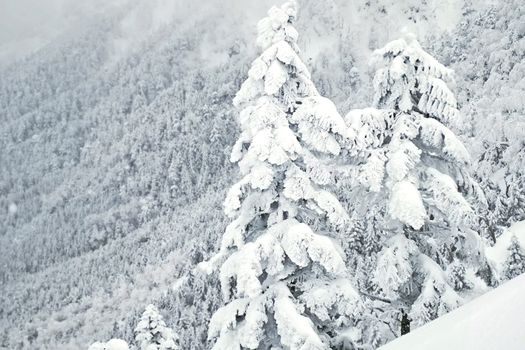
[[114, 153]]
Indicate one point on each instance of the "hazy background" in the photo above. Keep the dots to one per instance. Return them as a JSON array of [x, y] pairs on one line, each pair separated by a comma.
[[28, 25]]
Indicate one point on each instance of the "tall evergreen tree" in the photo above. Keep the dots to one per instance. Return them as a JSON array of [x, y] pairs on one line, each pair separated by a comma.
[[151, 332], [413, 170], [282, 271], [515, 263]]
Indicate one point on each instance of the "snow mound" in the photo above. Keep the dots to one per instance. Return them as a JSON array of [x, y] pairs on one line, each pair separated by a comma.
[[492, 321]]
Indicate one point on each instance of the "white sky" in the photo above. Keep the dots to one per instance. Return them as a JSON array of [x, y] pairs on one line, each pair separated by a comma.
[[26, 25]]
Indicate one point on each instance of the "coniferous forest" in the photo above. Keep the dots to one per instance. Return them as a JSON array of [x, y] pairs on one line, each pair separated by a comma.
[[299, 175]]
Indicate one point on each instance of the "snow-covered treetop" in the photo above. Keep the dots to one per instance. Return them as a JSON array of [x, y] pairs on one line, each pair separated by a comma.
[[152, 333], [409, 48], [415, 81], [113, 344], [278, 26], [278, 71]]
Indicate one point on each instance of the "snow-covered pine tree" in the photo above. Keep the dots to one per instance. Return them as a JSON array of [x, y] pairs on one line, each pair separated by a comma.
[[113, 344], [515, 263], [152, 333], [283, 275], [413, 171]]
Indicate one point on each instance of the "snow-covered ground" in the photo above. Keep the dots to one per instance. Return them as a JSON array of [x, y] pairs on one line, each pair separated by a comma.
[[492, 321]]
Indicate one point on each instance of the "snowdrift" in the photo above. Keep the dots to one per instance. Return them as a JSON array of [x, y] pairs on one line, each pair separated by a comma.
[[492, 321]]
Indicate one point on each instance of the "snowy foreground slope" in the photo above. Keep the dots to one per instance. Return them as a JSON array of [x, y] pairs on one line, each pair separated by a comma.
[[492, 321]]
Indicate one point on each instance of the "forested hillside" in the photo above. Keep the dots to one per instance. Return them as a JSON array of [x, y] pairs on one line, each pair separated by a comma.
[[116, 135]]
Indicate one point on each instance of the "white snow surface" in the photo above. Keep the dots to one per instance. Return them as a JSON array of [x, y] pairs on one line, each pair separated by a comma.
[[492, 321]]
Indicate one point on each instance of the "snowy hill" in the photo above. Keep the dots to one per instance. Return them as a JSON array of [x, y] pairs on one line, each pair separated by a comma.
[[492, 321]]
